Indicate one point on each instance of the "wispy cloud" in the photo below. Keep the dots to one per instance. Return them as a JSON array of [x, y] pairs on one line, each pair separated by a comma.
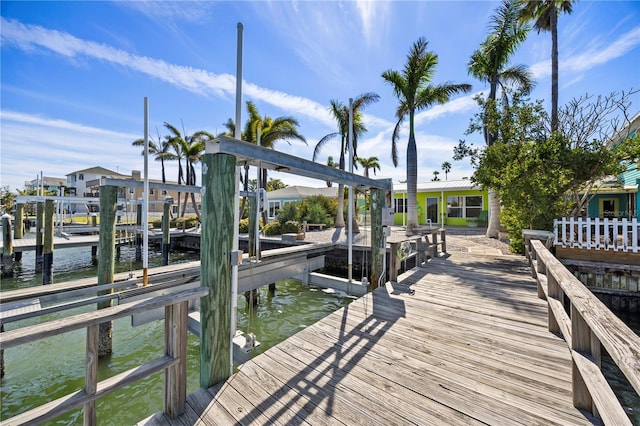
[[596, 54], [198, 81], [171, 11], [373, 18]]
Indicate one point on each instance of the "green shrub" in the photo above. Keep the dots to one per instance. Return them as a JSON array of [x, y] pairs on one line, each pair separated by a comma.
[[290, 227], [155, 223], [243, 226], [184, 222], [272, 228], [288, 212]]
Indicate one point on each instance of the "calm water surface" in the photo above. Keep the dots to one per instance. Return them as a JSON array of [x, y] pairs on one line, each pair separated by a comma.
[[50, 368]]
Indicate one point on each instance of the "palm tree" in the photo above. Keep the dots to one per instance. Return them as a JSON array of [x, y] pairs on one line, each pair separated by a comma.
[[413, 89], [490, 64], [370, 163], [341, 113], [545, 13], [446, 168], [271, 130], [333, 164], [160, 150], [435, 176], [189, 148]]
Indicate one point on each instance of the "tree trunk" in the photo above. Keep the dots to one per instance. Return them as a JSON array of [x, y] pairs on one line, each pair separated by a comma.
[[494, 215], [554, 68], [412, 184]]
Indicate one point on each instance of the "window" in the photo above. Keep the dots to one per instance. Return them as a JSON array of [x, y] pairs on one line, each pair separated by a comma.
[[473, 206], [459, 206], [164, 192], [81, 176], [274, 206], [400, 205], [152, 191]]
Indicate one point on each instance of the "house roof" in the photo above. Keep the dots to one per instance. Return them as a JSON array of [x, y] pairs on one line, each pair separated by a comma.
[[440, 185], [97, 170], [49, 181], [303, 192]]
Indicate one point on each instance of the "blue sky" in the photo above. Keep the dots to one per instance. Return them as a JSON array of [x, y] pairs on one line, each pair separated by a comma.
[[74, 74]]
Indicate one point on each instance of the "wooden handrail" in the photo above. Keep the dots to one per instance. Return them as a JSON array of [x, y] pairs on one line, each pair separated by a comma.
[[587, 326], [173, 362]]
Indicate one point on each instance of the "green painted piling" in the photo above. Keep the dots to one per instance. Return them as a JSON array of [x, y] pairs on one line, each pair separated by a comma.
[[139, 233], [166, 234], [106, 250], [377, 251], [7, 247], [39, 234], [18, 229], [218, 196], [47, 244]]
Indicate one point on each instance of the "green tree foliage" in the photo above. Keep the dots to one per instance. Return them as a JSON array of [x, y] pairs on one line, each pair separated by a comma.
[[534, 172], [6, 199]]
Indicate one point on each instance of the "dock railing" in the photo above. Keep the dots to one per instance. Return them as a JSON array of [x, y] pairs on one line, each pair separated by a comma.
[[173, 362], [586, 326], [598, 234]]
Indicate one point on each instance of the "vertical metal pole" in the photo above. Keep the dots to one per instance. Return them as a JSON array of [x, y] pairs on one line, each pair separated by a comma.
[[259, 173], [351, 188], [236, 204], [145, 198]]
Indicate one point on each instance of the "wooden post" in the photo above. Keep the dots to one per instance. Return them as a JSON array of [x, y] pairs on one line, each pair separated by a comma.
[[94, 255], [377, 251], [91, 374], [166, 234], [580, 342], [553, 290], [47, 247], [18, 228], [39, 234], [253, 212], [7, 247], [394, 261], [139, 233], [108, 198], [218, 193], [175, 377]]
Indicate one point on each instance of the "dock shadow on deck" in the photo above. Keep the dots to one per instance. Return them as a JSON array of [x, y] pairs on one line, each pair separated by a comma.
[[461, 341]]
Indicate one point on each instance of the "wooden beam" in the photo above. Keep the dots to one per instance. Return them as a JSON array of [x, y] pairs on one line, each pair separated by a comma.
[[47, 246], [267, 158], [377, 251], [106, 263]]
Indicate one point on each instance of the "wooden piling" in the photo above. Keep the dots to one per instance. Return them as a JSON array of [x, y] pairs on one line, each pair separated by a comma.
[[39, 235], [139, 233], [377, 251], [166, 234], [18, 229], [253, 212], [106, 244], [7, 247], [47, 246], [218, 199]]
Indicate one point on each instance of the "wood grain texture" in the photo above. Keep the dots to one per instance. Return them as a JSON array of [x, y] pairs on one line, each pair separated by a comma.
[[462, 341]]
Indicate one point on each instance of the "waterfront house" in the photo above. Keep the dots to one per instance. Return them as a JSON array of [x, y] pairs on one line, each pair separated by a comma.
[[290, 194], [617, 196], [451, 202], [49, 184]]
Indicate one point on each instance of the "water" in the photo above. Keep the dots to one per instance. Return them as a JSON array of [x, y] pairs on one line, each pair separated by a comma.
[[50, 368]]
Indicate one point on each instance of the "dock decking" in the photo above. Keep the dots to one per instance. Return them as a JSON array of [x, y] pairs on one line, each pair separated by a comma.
[[461, 341]]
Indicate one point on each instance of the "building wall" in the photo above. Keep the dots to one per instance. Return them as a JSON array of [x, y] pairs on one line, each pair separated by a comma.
[[600, 205], [442, 206]]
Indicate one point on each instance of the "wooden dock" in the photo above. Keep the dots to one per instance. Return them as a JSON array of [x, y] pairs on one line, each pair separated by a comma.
[[463, 340]]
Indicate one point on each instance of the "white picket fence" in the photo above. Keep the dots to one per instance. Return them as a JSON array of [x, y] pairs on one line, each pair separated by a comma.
[[597, 234]]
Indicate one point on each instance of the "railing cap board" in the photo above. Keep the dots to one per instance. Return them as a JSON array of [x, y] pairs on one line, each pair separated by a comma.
[[51, 328], [622, 344]]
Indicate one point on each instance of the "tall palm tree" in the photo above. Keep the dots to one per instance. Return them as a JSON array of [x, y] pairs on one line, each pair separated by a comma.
[[189, 148], [340, 112], [159, 150], [446, 168], [490, 63], [413, 89], [545, 13], [271, 130], [370, 163], [435, 176]]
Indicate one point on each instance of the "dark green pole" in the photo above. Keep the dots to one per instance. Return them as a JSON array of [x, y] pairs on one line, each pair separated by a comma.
[[166, 234], [7, 247], [18, 229], [139, 232], [218, 193], [106, 251], [377, 251], [39, 234], [47, 247]]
